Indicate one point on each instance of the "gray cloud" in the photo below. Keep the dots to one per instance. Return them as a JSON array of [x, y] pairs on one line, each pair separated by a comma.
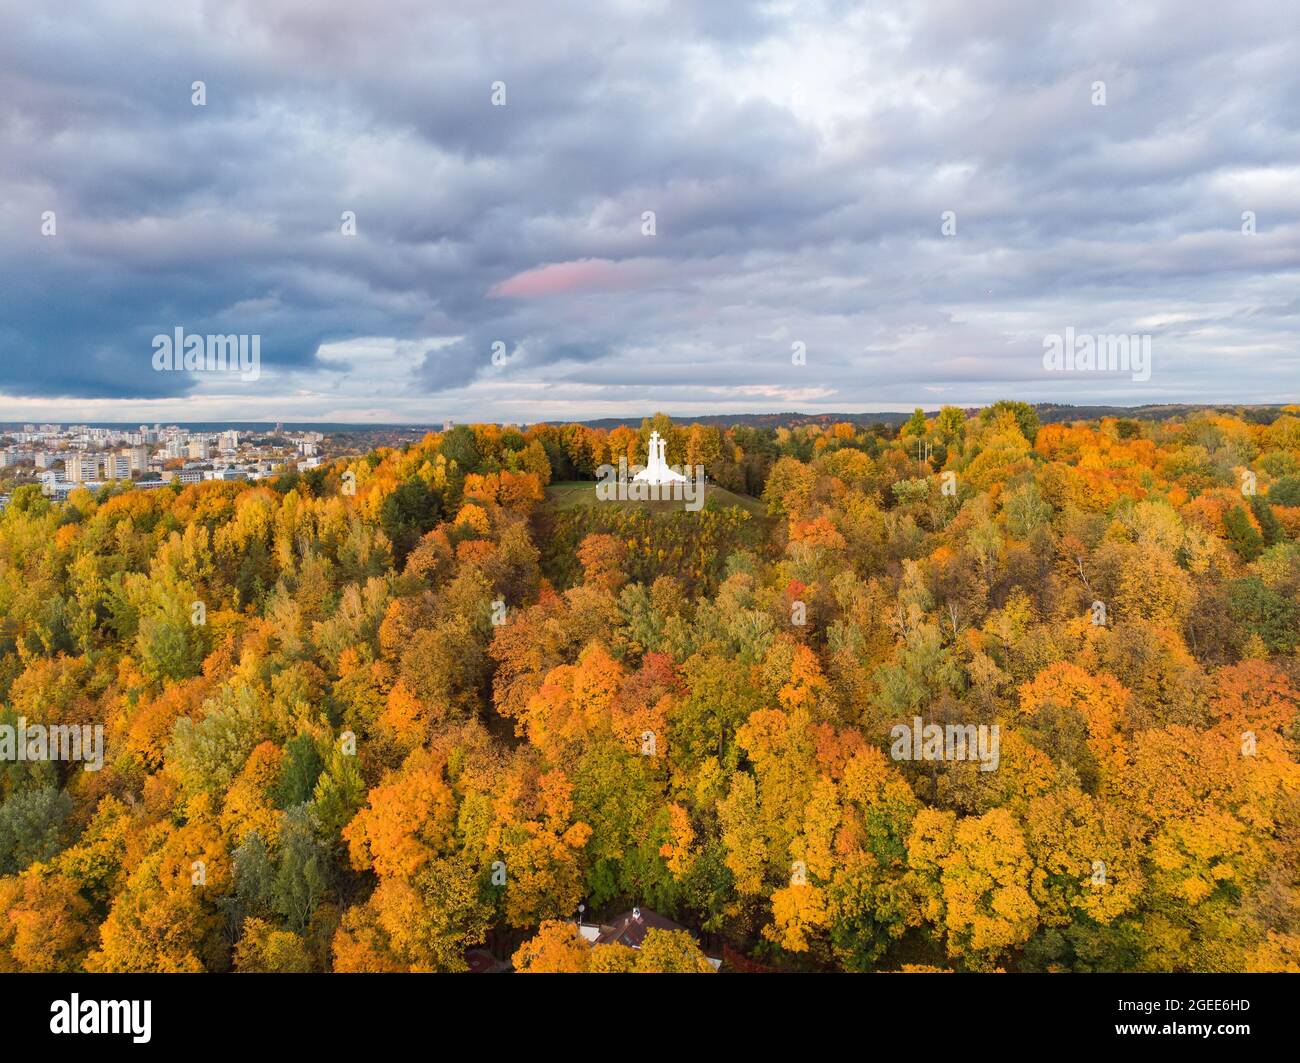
[[797, 158]]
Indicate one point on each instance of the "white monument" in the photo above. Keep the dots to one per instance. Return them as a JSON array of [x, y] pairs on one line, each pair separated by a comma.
[[657, 470]]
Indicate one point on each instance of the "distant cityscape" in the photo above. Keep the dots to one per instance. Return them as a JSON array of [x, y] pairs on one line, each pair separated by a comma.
[[63, 458]]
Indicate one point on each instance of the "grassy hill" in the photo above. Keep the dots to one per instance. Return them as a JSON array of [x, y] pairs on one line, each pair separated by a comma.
[[575, 494]]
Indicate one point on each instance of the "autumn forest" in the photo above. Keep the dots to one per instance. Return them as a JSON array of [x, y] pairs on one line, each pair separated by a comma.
[[381, 714]]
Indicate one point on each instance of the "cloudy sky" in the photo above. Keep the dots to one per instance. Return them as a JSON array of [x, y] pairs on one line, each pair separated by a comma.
[[798, 159]]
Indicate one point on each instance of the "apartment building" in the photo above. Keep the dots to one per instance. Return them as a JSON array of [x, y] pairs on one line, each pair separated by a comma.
[[80, 468]]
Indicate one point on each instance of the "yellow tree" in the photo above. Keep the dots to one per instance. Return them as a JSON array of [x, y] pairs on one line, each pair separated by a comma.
[[45, 924], [1100, 700], [407, 820], [974, 877], [556, 948]]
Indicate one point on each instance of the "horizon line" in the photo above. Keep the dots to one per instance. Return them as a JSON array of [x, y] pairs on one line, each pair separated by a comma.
[[434, 423]]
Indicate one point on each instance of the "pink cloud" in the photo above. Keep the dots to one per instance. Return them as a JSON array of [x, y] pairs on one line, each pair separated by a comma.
[[560, 278]]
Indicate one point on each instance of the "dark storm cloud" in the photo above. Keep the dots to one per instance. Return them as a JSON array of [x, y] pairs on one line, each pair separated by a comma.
[[797, 159]]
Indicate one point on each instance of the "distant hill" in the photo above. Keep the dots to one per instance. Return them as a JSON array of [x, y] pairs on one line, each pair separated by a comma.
[[761, 420], [1048, 413]]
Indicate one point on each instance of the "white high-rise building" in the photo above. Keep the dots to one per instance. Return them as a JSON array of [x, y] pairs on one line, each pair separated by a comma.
[[79, 467]]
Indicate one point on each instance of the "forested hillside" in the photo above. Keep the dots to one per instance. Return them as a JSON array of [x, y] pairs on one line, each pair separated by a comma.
[[370, 716]]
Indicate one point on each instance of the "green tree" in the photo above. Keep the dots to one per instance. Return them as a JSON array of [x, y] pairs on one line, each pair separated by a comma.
[[915, 425], [303, 874], [1242, 536], [31, 827], [1286, 492], [1026, 416], [1263, 612]]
